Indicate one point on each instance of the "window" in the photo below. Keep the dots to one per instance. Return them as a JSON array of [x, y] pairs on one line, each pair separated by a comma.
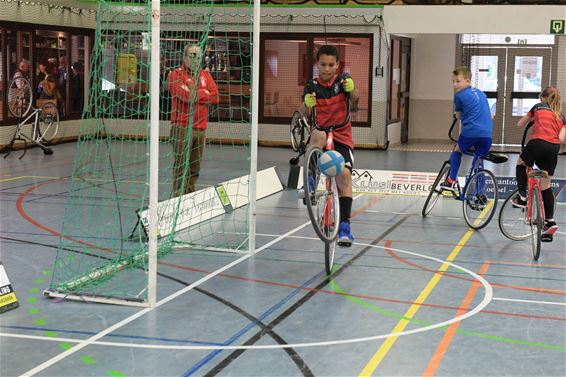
[[289, 61], [62, 53]]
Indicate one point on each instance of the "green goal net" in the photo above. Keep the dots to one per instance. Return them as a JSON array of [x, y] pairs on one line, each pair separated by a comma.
[[205, 80]]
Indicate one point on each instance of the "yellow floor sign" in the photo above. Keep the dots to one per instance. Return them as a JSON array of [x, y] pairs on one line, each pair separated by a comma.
[[8, 298]]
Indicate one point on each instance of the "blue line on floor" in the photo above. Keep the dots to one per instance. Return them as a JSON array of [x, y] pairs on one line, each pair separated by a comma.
[[251, 325], [196, 342]]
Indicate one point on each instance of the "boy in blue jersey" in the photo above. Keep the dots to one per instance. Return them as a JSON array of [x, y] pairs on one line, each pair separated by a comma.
[[471, 107]]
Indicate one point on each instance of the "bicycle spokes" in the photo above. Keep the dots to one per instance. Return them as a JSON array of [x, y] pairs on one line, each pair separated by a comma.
[[480, 199]]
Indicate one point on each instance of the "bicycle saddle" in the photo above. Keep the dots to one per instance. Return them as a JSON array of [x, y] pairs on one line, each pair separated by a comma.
[[496, 158]]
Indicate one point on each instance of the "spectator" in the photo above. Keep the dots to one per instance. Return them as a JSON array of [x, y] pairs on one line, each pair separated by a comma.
[[22, 72], [192, 90]]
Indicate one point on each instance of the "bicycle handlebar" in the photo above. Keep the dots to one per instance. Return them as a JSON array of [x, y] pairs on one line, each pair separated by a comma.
[[454, 121], [529, 125], [333, 127], [336, 126]]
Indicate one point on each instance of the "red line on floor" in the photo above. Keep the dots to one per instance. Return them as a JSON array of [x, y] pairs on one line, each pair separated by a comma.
[[517, 287], [19, 205], [442, 347]]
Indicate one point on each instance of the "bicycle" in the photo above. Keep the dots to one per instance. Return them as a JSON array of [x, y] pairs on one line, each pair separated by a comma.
[[518, 224], [323, 206], [480, 193], [45, 117]]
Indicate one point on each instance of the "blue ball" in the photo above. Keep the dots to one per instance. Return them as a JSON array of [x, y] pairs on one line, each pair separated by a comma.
[[331, 163]]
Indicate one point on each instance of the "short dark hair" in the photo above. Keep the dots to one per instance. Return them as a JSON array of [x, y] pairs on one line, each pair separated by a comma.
[[328, 50]]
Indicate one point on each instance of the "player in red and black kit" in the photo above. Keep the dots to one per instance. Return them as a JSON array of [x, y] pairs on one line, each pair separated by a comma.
[[328, 93], [549, 130]]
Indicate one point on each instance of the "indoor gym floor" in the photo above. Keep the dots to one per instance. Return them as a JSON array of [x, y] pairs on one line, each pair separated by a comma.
[[280, 299]]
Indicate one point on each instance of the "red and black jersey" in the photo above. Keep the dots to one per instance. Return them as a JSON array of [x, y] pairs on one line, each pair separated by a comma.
[[546, 125], [331, 107]]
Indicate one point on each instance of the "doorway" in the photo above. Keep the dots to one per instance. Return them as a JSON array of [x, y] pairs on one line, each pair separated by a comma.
[[399, 84], [512, 78]]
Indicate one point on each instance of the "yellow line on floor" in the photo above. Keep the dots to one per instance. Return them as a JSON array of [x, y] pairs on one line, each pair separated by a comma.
[[376, 359], [26, 177]]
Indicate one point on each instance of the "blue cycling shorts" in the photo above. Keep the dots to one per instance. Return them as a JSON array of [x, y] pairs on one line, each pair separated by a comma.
[[482, 144]]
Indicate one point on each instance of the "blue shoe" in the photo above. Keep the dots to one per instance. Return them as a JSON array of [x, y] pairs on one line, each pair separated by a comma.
[[301, 192], [345, 237]]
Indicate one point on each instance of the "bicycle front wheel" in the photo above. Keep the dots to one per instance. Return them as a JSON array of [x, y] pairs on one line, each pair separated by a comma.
[[323, 206], [20, 97], [329, 252], [480, 199], [48, 122], [535, 222], [435, 191], [513, 221]]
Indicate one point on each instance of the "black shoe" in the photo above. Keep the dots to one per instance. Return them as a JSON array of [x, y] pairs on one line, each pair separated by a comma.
[[550, 227], [519, 202]]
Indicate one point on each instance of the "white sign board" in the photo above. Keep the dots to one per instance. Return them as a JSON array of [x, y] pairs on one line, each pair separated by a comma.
[[191, 209]]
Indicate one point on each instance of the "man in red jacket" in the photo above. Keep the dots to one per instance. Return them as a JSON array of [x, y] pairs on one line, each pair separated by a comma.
[[192, 90]]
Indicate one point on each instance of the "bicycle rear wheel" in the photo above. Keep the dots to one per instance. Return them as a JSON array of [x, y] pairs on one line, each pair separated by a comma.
[[480, 199], [536, 222], [297, 132], [322, 205], [329, 252], [48, 122], [512, 221], [435, 191]]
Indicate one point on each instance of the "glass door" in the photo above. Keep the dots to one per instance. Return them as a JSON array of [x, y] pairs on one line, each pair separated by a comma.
[[528, 73], [488, 67]]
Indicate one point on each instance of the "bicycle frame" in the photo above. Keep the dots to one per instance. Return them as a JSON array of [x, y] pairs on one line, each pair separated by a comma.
[[477, 164], [33, 138], [34, 113], [531, 183], [329, 198], [327, 221]]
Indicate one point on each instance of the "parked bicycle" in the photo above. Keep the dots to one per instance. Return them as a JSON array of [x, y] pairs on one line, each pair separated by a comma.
[[480, 193], [45, 118], [323, 205], [519, 224]]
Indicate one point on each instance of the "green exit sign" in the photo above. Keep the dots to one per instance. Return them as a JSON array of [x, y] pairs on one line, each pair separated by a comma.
[[556, 26]]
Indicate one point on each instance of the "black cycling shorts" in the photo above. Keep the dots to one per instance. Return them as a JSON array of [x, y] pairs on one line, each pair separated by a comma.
[[347, 153], [542, 153]]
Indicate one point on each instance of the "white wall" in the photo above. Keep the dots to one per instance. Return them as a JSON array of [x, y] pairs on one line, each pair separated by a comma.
[[432, 62], [486, 19]]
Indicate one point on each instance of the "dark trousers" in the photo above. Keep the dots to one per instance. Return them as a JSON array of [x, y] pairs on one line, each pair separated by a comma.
[[188, 155]]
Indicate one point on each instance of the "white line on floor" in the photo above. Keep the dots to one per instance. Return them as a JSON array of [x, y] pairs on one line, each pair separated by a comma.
[[530, 301], [481, 305], [135, 316]]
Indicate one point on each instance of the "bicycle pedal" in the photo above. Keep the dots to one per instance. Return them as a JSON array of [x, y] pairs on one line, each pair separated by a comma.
[[546, 238]]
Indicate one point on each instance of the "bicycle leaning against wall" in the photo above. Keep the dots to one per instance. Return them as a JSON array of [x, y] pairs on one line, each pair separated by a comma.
[[45, 118]]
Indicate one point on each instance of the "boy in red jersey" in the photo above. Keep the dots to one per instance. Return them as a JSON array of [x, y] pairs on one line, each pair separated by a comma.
[[192, 90], [328, 93], [549, 130]]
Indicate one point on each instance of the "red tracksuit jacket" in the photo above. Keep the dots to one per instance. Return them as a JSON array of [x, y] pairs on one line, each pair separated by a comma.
[[181, 83]]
